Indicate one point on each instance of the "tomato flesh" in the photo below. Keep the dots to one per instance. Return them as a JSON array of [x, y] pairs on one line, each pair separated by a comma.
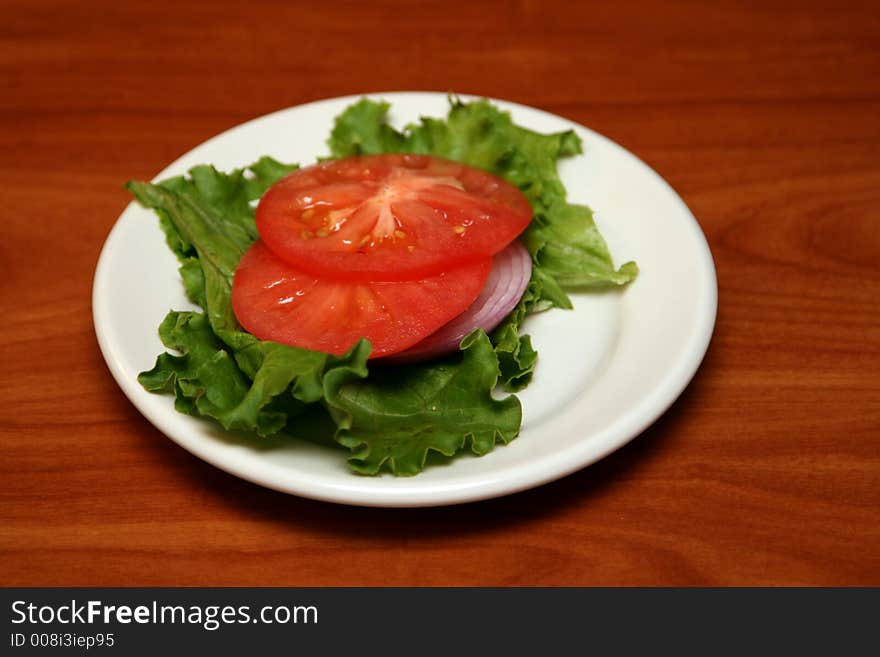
[[275, 301], [389, 217]]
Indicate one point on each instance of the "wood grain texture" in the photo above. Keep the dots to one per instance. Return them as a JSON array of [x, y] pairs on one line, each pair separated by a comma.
[[764, 116]]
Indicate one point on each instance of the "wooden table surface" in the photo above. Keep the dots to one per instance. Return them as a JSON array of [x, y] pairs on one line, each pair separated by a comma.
[[766, 119]]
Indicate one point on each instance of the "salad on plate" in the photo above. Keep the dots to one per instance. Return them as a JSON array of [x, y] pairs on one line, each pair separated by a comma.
[[374, 300]]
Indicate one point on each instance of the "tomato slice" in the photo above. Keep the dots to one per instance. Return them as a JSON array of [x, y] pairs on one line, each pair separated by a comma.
[[389, 217], [275, 301]]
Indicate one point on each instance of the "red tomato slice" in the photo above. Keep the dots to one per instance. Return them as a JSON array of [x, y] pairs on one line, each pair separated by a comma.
[[275, 301], [389, 217]]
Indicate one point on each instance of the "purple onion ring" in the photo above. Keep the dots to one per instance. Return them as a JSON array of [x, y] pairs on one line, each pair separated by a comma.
[[508, 279]]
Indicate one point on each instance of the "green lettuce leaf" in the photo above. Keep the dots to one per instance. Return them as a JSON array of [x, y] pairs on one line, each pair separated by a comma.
[[362, 130], [516, 356], [223, 372], [209, 380], [571, 255], [209, 223], [395, 417], [218, 244]]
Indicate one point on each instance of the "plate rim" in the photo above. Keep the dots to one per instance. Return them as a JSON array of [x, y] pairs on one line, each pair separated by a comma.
[[519, 477]]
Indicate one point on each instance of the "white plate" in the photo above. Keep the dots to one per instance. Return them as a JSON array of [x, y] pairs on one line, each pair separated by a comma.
[[606, 370]]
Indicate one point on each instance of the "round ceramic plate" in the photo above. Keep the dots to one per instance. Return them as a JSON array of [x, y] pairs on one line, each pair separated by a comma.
[[606, 370]]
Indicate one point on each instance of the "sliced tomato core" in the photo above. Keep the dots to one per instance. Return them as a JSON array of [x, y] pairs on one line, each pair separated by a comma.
[[389, 217], [275, 301]]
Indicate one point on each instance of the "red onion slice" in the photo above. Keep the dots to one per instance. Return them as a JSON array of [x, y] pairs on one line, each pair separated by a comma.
[[511, 271]]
